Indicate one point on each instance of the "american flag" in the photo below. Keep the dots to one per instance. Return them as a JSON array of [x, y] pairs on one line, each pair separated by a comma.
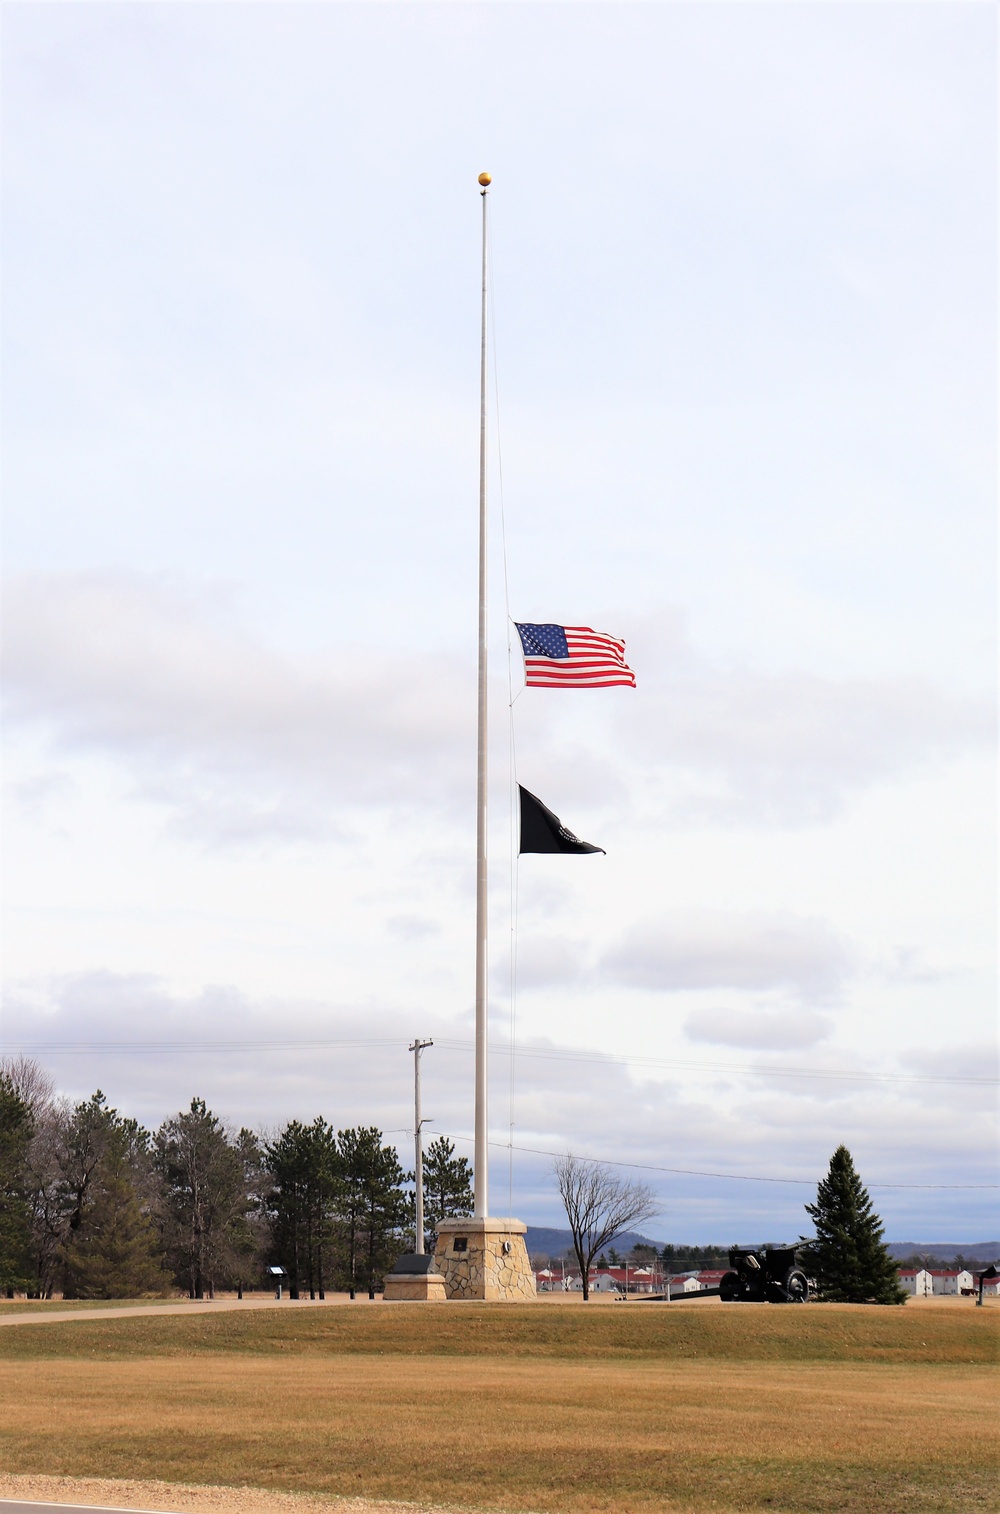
[[572, 657]]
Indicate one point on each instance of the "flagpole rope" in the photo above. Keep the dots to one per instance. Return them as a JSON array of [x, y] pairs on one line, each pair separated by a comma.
[[512, 808]]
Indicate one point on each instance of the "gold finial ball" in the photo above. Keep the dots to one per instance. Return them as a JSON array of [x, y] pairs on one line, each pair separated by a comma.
[[485, 178]]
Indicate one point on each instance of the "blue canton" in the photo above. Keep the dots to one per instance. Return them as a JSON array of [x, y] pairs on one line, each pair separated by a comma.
[[543, 641]]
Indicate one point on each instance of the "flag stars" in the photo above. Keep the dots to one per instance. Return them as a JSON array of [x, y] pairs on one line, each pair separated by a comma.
[[543, 640]]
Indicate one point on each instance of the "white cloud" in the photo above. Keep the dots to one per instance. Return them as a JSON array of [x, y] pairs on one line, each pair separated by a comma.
[[785, 747], [241, 741], [769, 1029], [712, 949], [238, 737]]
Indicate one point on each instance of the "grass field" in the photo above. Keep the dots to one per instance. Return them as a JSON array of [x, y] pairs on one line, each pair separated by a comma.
[[542, 1407]]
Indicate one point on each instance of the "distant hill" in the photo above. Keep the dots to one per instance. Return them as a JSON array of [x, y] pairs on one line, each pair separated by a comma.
[[549, 1241], [979, 1251]]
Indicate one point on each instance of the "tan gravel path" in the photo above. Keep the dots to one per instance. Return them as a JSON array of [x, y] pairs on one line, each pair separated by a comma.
[[172, 1498], [186, 1306]]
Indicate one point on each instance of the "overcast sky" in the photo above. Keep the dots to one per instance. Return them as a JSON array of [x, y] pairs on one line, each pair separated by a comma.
[[744, 277]]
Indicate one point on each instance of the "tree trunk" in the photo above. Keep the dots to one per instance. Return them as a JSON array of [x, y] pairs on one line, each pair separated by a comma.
[[371, 1256], [584, 1272]]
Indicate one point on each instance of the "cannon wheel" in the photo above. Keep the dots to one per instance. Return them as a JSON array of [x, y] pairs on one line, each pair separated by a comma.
[[730, 1287], [796, 1286]]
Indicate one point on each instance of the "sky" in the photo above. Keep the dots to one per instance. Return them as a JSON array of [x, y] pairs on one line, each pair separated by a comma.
[[743, 401]]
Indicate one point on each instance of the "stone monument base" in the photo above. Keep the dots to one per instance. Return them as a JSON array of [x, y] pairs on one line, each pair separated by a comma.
[[414, 1280], [484, 1259]]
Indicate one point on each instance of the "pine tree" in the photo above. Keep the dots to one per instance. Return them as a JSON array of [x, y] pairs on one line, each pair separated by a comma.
[[847, 1257], [115, 1251], [372, 1206], [16, 1128], [206, 1176], [447, 1183], [303, 1168]]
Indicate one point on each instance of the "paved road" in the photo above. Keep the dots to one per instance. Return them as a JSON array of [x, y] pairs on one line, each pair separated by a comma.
[[19, 1506], [189, 1306]]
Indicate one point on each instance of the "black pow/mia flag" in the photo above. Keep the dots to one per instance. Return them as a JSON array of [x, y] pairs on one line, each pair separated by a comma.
[[541, 831]]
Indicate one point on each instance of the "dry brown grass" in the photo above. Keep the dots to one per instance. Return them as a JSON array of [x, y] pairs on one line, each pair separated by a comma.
[[610, 1332], [551, 1409]]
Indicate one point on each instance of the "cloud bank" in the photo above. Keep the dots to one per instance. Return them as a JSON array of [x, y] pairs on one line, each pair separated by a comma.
[[240, 740], [706, 949]]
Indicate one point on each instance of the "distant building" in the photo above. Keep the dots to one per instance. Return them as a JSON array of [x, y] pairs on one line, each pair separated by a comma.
[[602, 1280], [686, 1283], [916, 1280], [712, 1277], [952, 1280]]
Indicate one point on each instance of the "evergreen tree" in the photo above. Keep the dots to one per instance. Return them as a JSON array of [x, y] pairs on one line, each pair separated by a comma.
[[16, 1130], [372, 1204], [847, 1257], [447, 1184], [83, 1136], [207, 1179], [85, 1139], [304, 1186], [33, 1086], [115, 1252]]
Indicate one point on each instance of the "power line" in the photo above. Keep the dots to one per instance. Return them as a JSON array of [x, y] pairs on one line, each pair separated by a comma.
[[542, 1053], [739, 1177], [84, 1048]]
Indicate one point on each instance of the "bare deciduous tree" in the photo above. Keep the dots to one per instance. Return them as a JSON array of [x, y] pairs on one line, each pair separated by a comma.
[[29, 1082], [599, 1206]]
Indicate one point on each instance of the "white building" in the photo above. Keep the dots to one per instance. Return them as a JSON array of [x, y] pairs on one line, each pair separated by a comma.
[[948, 1280], [917, 1281], [684, 1285]]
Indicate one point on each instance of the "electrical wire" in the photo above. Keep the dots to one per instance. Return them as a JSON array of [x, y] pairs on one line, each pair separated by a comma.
[[737, 1177], [541, 1053]]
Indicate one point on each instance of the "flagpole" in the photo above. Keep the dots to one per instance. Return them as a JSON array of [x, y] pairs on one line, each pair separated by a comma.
[[480, 1164]]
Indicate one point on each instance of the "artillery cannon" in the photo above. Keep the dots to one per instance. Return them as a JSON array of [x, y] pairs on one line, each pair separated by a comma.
[[771, 1276], [757, 1275]]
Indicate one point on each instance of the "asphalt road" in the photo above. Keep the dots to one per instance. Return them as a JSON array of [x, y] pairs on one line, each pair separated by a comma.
[[18, 1506]]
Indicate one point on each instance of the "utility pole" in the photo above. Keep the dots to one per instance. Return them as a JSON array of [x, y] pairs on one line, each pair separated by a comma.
[[418, 1168]]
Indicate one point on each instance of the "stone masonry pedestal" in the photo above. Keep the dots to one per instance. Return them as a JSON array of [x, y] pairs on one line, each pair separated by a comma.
[[484, 1259], [414, 1280]]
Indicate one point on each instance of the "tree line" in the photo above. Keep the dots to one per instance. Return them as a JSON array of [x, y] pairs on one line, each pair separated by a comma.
[[93, 1205]]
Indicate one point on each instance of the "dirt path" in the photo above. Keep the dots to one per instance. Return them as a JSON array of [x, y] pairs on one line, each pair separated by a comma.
[[173, 1498], [186, 1306]]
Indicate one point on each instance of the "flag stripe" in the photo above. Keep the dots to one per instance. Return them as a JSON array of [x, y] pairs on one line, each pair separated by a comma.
[[580, 683]]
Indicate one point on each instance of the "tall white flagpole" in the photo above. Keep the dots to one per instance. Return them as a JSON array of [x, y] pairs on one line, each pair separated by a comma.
[[481, 1158]]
